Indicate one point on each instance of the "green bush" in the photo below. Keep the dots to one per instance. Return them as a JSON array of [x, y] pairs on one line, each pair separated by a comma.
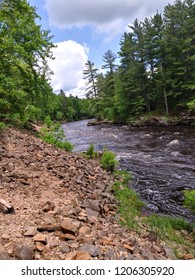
[[91, 153], [109, 161], [191, 106], [53, 134], [2, 126], [189, 199]]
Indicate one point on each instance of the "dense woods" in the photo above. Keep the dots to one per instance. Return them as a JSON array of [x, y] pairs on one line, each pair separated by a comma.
[[25, 90], [155, 72]]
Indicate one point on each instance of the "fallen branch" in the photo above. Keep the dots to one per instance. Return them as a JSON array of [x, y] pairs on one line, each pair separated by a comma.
[[6, 207]]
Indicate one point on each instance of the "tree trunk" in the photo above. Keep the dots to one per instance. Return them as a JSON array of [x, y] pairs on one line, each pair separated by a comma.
[[166, 102]]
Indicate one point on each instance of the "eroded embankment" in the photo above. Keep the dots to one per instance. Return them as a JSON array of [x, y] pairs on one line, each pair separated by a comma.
[[63, 207]]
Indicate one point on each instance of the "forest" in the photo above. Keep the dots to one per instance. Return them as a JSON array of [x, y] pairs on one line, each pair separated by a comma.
[[153, 73]]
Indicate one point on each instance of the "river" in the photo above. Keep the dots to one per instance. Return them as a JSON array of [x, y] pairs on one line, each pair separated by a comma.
[[160, 159]]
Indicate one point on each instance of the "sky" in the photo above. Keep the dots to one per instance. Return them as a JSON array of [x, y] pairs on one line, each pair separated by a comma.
[[84, 30]]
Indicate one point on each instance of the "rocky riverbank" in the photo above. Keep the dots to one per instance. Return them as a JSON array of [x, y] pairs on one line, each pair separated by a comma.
[[63, 207], [153, 121]]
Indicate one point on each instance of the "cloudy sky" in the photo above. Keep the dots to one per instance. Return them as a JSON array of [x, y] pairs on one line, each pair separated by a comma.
[[84, 30]]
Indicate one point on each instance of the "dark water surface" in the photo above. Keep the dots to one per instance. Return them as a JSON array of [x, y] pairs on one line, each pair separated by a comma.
[[160, 159]]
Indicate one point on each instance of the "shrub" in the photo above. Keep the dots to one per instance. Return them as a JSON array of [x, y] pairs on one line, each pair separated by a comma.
[[91, 153], [109, 161], [53, 134], [2, 126], [189, 199], [191, 106]]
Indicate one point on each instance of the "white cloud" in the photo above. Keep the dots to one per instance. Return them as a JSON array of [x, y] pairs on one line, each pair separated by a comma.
[[68, 66], [107, 16]]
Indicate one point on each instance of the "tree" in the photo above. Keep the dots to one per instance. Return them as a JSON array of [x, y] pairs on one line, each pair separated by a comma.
[[109, 58], [107, 85], [90, 74], [24, 51], [179, 36]]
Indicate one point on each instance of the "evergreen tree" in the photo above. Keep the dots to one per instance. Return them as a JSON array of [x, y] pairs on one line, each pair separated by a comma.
[[91, 75]]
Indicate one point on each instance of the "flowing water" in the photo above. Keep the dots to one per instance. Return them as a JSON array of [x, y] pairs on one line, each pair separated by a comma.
[[160, 159]]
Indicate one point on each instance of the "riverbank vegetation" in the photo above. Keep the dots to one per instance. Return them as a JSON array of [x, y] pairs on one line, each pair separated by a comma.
[[156, 69], [152, 74], [53, 134], [25, 90], [175, 232]]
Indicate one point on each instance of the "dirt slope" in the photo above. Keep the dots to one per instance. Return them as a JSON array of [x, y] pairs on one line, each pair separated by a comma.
[[63, 207]]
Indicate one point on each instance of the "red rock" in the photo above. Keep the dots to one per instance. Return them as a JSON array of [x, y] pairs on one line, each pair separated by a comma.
[[31, 231], [71, 256], [70, 226], [83, 256], [40, 246], [39, 237]]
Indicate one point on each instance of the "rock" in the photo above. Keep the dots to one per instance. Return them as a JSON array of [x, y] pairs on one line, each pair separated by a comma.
[[68, 236], [180, 253], [48, 206], [188, 257], [39, 237], [152, 236], [110, 255], [173, 143], [3, 254], [74, 245], [107, 242], [65, 249], [169, 252], [156, 249], [70, 226], [5, 236], [91, 215], [92, 204], [93, 250], [31, 231], [23, 252], [83, 256], [71, 256], [129, 247], [86, 239], [48, 218], [146, 254], [50, 227], [84, 230], [40, 246]]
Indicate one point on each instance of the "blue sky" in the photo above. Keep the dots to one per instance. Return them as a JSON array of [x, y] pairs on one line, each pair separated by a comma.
[[84, 30]]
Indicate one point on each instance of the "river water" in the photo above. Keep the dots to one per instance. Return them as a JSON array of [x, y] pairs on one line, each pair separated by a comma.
[[160, 159]]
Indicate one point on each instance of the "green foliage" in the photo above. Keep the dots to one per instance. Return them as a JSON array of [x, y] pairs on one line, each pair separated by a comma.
[[53, 134], [24, 52], [169, 228], [123, 176], [2, 126], [48, 122], [191, 106], [108, 160], [72, 108], [91, 153], [189, 199], [156, 70], [130, 204]]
